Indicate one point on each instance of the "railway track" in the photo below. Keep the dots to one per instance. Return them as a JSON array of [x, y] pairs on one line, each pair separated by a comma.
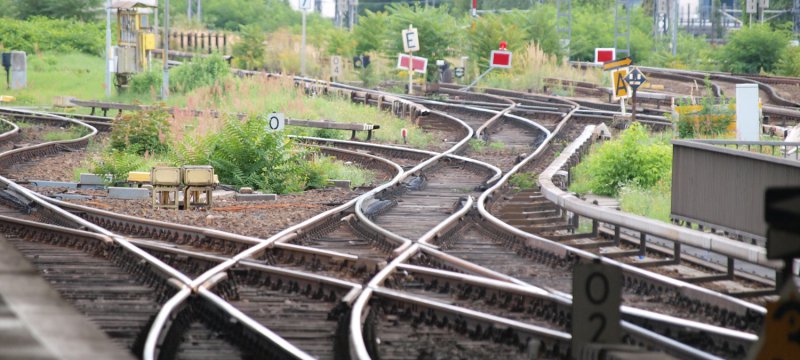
[[450, 281]]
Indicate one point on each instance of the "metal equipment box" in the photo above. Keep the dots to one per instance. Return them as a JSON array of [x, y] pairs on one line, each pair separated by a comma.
[[126, 60], [19, 70], [198, 175], [139, 176], [166, 176], [148, 41]]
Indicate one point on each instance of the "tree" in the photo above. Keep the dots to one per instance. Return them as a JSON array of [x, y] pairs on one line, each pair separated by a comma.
[[437, 31], [369, 34], [489, 30], [754, 48], [64, 9], [249, 51], [7, 8]]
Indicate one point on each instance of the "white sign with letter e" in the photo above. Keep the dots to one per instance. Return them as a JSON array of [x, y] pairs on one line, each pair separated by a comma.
[[274, 122], [410, 40], [596, 295]]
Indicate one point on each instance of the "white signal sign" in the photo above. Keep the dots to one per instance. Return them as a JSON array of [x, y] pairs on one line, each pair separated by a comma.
[[274, 121], [459, 72], [306, 4], [751, 6], [596, 295], [410, 40], [336, 66]]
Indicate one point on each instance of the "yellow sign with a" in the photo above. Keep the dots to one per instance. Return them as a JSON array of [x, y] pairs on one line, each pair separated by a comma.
[[618, 85], [781, 337]]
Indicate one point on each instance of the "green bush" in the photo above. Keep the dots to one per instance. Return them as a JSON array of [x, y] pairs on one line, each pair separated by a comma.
[[249, 53], [59, 35], [789, 63], [713, 119], [244, 154], [200, 72], [118, 164], [522, 181], [148, 82], [141, 132], [633, 158], [753, 49]]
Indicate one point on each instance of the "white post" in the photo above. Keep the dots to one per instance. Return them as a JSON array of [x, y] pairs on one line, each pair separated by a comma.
[[165, 83], [410, 69], [622, 105], [747, 113], [303, 46], [108, 49]]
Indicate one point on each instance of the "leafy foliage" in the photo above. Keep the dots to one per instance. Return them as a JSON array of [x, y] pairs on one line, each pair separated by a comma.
[[232, 14], [522, 181], [64, 9], [789, 63], [148, 82], [43, 34], [488, 33], [633, 158], [118, 164], [713, 118], [340, 42], [437, 32], [752, 49], [200, 72], [141, 132], [369, 34], [243, 154], [248, 53]]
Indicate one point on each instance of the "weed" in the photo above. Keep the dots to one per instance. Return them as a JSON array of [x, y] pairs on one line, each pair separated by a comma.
[[69, 133], [523, 181]]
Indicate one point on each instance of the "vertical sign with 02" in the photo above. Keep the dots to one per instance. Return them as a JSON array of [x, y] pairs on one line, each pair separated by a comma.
[[596, 295]]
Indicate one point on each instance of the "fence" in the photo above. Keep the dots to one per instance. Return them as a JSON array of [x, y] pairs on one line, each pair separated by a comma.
[[721, 184]]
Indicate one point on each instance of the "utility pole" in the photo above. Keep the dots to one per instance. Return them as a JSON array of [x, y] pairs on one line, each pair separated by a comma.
[[305, 5], [165, 84], [109, 61], [189, 10], [673, 25], [200, 11]]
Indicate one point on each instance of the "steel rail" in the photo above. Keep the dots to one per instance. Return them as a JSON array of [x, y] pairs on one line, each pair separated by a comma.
[[556, 247], [715, 243], [10, 134], [383, 232], [81, 223]]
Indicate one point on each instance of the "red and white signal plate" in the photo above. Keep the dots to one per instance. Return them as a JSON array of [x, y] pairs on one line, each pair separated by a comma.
[[602, 55], [420, 64], [500, 59]]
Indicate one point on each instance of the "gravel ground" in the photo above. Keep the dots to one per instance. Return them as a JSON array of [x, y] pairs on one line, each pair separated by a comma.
[[251, 218]]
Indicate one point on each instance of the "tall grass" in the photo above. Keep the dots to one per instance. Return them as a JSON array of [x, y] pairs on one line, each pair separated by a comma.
[[533, 65], [654, 202], [261, 95], [338, 170], [50, 74]]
